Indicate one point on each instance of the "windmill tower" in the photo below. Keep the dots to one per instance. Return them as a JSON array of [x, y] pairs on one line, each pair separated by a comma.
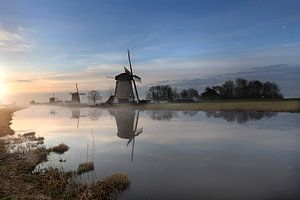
[[75, 97], [126, 90]]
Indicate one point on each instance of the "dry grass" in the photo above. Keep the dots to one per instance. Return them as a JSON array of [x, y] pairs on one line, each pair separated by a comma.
[[85, 167], [60, 149]]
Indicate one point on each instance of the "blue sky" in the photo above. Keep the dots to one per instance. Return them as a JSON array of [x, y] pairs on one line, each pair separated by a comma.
[[66, 41]]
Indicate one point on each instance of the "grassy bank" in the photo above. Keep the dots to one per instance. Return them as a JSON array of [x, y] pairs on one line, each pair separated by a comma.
[[228, 105], [5, 118], [17, 180]]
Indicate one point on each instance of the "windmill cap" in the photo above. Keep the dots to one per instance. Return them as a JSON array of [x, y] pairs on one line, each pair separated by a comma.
[[123, 77]]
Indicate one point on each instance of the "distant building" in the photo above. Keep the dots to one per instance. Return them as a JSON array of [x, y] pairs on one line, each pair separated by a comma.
[[210, 94]]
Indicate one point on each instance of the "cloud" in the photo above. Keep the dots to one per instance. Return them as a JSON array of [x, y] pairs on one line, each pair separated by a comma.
[[14, 41], [19, 81]]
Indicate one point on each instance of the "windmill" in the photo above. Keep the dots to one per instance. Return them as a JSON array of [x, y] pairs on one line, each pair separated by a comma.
[[75, 97], [127, 125], [126, 90], [53, 99]]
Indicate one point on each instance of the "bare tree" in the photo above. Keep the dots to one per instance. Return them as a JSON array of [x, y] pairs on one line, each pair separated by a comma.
[[94, 96]]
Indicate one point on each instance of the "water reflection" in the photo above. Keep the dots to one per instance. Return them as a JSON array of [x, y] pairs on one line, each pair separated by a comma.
[[127, 125], [94, 114], [240, 117], [163, 115], [53, 112], [190, 113], [76, 114]]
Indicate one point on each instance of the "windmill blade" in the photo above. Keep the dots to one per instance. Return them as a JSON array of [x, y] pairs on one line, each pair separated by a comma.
[[136, 78], [129, 60], [127, 71], [129, 141], [136, 92], [77, 88], [139, 131]]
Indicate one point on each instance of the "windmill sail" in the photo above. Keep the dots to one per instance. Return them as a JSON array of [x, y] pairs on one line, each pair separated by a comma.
[[129, 60]]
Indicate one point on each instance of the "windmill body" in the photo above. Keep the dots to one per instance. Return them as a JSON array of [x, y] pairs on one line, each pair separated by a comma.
[[75, 96], [53, 99], [126, 90]]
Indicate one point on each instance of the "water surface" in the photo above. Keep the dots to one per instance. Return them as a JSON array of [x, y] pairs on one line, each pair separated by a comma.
[[175, 154]]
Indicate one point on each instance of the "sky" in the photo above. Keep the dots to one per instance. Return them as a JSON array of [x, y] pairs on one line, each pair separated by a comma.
[[48, 46]]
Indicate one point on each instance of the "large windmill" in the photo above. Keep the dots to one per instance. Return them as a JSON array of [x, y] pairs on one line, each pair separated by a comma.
[[126, 90], [75, 96]]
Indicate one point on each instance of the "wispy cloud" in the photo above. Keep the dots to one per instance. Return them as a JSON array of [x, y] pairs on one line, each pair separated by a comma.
[[19, 81], [14, 41]]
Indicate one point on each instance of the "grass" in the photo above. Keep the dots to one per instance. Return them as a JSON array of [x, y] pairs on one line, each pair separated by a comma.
[[227, 105], [85, 167], [18, 181], [60, 149]]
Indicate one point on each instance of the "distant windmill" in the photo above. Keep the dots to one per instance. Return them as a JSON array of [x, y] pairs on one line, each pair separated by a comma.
[[53, 99], [126, 90], [75, 97]]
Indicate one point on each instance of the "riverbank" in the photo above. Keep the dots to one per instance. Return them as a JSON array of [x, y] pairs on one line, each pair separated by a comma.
[[292, 105], [17, 180]]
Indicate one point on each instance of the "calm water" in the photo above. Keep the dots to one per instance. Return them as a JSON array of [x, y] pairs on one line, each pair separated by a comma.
[[177, 155]]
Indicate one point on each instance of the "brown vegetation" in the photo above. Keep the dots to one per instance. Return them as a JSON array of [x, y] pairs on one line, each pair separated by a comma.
[[85, 167], [60, 149]]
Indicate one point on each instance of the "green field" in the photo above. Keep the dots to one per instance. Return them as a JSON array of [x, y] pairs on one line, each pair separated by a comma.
[[287, 105]]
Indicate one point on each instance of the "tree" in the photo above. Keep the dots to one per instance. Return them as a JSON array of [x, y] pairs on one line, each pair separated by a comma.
[[94, 96], [189, 94], [243, 89], [162, 93], [271, 90], [227, 91]]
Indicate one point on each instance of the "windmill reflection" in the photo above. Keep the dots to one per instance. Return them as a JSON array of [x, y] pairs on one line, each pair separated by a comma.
[[127, 125], [76, 115], [53, 112]]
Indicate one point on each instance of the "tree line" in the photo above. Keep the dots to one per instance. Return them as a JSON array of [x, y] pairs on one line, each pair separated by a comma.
[[170, 94], [230, 89]]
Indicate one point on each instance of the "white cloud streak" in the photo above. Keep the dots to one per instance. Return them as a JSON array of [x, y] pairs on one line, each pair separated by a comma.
[[14, 41]]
